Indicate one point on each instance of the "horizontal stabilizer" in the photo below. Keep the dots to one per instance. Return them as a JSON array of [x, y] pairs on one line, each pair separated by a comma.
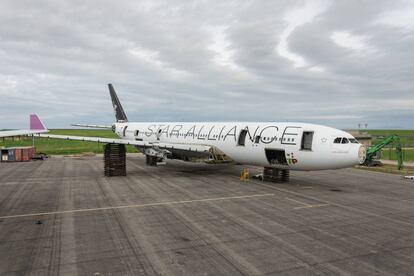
[[91, 126]]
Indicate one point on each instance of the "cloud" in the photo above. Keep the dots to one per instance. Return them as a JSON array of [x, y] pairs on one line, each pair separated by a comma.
[[152, 60], [338, 63], [351, 41], [295, 18], [221, 46], [400, 18]]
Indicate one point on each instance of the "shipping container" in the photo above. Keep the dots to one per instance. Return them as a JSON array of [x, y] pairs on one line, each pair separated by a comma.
[[17, 154], [32, 152], [11, 155], [25, 155], [4, 155]]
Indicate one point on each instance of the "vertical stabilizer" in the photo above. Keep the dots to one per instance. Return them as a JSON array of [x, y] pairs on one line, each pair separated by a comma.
[[36, 123], [119, 111]]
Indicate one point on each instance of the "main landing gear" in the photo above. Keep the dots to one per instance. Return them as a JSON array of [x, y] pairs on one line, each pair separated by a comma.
[[275, 175], [155, 156]]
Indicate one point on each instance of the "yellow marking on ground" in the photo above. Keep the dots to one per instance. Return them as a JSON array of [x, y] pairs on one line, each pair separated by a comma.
[[135, 206]]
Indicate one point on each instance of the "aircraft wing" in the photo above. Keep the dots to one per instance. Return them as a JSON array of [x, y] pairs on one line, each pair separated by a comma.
[[36, 126], [20, 132], [142, 144]]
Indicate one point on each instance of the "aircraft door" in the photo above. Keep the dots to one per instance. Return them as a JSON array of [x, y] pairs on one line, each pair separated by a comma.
[[242, 137], [307, 140]]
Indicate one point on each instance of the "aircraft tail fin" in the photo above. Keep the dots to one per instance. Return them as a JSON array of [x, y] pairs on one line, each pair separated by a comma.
[[36, 123], [119, 111]]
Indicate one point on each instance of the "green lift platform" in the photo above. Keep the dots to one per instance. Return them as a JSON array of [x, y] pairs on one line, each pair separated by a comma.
[[373, 150]]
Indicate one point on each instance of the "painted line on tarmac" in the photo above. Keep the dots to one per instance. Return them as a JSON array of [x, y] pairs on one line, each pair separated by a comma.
[[297, 201], [135, 206], [310, 206], [332, 203], [305, 205]]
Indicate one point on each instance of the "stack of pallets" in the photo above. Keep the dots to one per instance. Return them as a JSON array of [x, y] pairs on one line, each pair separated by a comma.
[[115, 160]]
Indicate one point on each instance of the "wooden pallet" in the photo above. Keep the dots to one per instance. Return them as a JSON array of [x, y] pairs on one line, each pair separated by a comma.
[[114, 160]]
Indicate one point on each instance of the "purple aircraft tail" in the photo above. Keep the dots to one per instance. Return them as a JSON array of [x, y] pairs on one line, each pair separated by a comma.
[[35, 123]]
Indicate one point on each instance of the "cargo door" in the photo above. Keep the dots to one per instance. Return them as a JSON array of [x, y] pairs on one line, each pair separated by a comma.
[[276, 156]]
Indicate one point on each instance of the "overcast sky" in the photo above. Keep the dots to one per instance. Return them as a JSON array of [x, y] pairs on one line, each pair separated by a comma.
[[337, 63]]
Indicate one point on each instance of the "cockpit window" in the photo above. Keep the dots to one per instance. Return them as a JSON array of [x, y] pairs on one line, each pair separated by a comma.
[[344, 140], [353, 141], [337, 140]]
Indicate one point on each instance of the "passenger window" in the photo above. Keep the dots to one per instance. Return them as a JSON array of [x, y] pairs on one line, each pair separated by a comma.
[[345, 140], [337, 140]]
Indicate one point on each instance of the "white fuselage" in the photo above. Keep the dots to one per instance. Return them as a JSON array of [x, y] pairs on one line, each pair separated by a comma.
[[293, 146]]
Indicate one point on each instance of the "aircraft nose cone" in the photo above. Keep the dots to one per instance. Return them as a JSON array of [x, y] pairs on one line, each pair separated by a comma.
[[362, 154]]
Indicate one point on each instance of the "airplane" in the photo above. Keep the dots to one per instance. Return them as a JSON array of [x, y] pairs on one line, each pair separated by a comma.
[[277, 145], [36, 127]]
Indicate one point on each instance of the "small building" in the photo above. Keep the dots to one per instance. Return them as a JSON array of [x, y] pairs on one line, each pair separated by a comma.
[[362, 136], [17, 154]]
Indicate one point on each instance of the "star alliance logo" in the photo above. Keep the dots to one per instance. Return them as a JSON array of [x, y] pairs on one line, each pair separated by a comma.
[[324, 140]]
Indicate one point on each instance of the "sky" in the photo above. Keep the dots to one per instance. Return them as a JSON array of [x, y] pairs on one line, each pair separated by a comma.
[[338, 63]]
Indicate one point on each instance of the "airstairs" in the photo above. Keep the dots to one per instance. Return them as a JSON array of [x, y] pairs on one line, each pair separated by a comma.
[[218, 157]]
